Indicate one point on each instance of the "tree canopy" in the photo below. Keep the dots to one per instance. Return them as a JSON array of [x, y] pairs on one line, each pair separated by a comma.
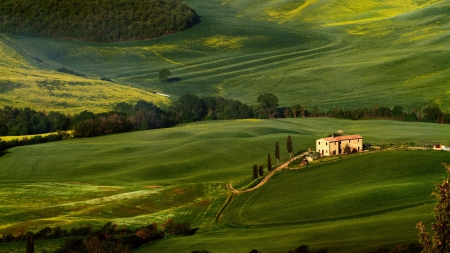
[[164, 75], [95, 20], [440, 241], [268, 102]]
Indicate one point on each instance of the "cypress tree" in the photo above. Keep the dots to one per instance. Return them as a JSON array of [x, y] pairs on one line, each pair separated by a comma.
[[289, 147], [261, 170], [30, 243], [269, 163], [255, 171], [277, 152]]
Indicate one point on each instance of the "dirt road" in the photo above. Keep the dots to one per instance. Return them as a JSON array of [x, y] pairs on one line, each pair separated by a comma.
[[281, 167]]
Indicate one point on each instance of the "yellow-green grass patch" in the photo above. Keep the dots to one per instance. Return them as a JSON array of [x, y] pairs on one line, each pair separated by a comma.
[[22, 137]]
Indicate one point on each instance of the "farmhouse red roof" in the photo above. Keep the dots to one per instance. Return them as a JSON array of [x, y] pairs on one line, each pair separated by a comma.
[[343, 138]]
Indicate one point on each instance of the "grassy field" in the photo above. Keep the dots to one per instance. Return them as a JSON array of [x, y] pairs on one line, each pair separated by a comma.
[[26, 82], [315, 53], [356, 204], [143, 177]]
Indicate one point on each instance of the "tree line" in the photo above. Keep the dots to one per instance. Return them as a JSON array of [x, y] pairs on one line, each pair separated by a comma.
[[124, 117], [143, 115], [95, 20], [109, 238], [431, 113]]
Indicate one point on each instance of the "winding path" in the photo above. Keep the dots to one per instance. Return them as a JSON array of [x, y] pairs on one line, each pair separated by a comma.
[[235, 192], [281, 167]]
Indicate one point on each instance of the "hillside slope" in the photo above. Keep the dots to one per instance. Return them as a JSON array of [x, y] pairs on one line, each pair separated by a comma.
[[25, 81], [328, 54], [149, 176]]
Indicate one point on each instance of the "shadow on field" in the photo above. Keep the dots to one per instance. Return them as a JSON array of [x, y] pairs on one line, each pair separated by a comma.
[[2, 153], [173, 79], [197, 19]]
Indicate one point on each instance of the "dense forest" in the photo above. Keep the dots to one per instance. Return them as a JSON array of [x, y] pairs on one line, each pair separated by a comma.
[[95, 20]]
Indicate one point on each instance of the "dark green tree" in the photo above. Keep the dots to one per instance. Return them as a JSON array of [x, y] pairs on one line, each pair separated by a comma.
[[432, 113], [289, 147], [268, 103], [255, 171], [277, 152], [269, 163], [298, 109], [189, 108], [398, 112], [30, 243], [302, 249], [164, 75], [58, 121], [99, 21], [440, 242], [261, 170]]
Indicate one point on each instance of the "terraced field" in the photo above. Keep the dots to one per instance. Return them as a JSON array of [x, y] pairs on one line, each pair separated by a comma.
[[138, 178], [316, 53]]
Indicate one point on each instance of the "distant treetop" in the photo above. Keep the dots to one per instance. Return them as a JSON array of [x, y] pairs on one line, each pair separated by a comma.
[[95, 20]]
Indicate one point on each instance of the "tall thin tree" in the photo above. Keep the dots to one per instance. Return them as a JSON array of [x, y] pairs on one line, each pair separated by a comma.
[[277, 152], [30, 243], [255, 171], [269, 163], [289, 147], [261, 170]]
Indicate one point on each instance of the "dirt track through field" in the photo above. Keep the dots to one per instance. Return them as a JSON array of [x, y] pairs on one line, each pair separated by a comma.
[[281, 167], [235, 192]]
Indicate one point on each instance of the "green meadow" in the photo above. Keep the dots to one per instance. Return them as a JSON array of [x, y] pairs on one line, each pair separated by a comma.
[[329, 54], [317, 53], [349, 204]]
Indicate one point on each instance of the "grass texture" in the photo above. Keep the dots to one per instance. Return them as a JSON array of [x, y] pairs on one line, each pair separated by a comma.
[[180, 173], [315, 53]]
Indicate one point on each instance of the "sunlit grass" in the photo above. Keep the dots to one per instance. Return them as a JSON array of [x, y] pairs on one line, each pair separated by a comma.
[[287, 12], [21, 137], [143, 177], [224, 42], [371, 52], [27, 85], [75, 204], [349, 12]]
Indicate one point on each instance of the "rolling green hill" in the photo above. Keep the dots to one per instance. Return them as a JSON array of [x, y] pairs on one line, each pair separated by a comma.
[[329, 54], [180, 173], [358, 204]]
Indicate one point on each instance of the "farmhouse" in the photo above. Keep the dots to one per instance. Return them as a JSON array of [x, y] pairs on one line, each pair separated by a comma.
[[337, 145]]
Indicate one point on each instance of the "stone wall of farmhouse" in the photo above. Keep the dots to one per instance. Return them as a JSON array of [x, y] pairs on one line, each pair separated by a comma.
[[327, 148]]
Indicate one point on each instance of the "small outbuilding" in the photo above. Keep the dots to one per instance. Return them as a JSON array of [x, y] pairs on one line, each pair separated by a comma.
[[339, 145]]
